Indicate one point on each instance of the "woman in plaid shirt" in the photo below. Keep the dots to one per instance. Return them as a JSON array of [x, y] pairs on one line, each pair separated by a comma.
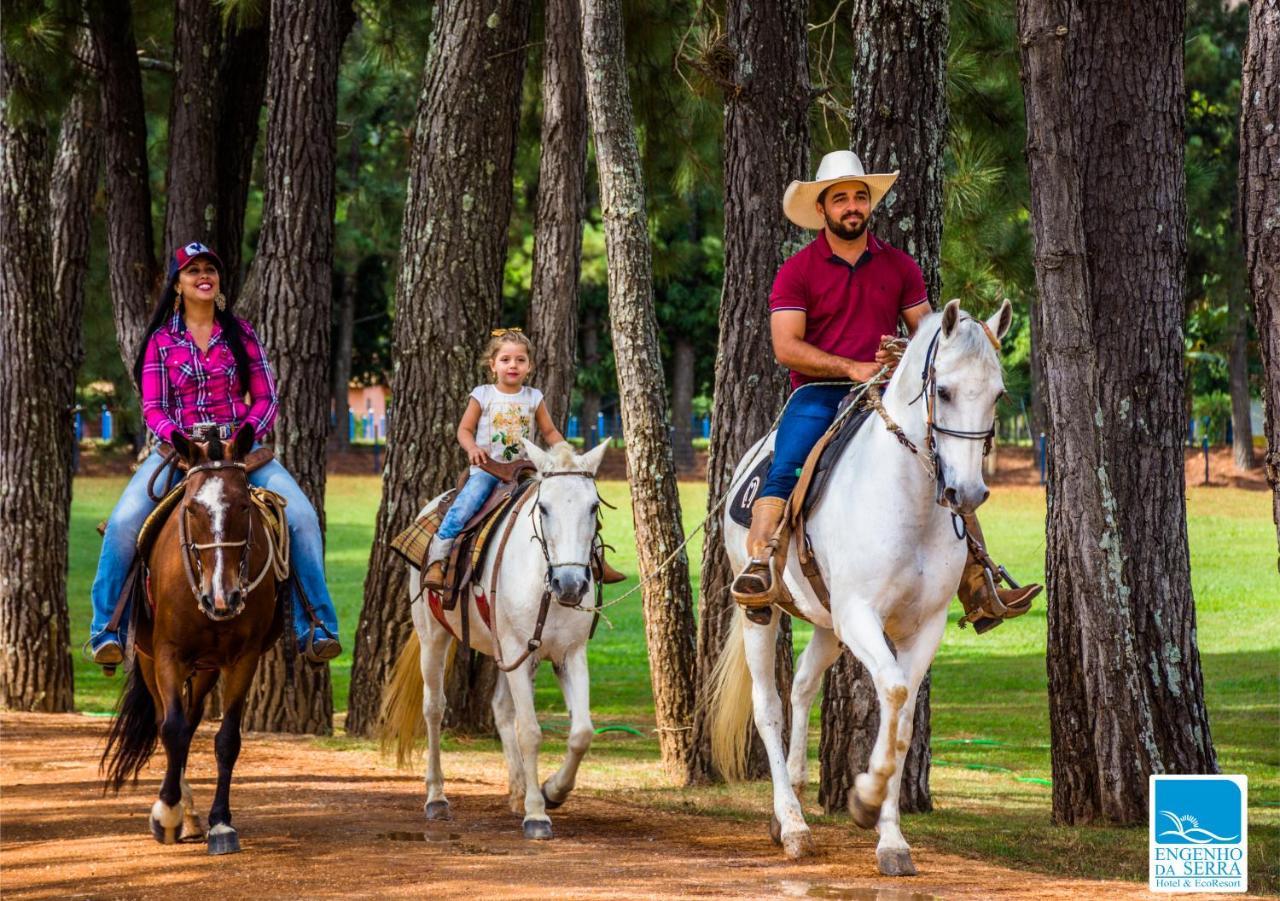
[[197, 364]]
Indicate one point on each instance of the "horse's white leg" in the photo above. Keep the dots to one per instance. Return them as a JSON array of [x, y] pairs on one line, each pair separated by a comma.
[[575, 684], [863, 632], [529, 736], [788, 826], [432, 658], [821, 652], [504, 716], [915, 654]]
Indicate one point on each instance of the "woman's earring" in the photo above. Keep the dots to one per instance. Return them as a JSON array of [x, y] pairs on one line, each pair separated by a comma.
[[221, 301], [177, 301]]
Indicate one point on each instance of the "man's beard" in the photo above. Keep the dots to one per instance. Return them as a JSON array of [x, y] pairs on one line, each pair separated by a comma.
[[845, 232]]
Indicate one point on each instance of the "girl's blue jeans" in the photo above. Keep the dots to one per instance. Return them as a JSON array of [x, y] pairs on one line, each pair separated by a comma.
[[809, 413], [121, 536], [470, 499]]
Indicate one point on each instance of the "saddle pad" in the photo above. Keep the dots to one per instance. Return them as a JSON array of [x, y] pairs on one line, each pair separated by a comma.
[[412, 543], [156, 520], [740, 509], [469, 550]]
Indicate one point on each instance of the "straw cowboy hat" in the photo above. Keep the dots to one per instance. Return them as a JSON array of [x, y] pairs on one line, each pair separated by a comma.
[[842, 165]]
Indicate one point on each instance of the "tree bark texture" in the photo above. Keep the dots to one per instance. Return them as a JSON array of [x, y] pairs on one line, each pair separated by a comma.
[[242, 83], [900, 122], [557, 241], [134, 271], [766, 146], [453, 243], [1126, 696], [655, 504], [191, 180], [345, 321], [35, 485], [77, 168], [1260, 212], [292, 273], [682, 361], [1238, 369]]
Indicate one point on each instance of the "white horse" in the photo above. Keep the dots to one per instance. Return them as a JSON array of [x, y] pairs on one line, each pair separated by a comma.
[[888, 549], [545, 571]]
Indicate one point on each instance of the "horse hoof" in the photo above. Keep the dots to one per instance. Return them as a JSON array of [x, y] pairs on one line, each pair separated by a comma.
[[895, 862], [864, 816], [549, 802], [223, 840], [165, 835], [438, 810], [192, 831], [775, 830], [537, 830], [798, 845]]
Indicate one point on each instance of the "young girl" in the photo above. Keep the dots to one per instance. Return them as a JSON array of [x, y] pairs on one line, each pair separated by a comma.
[[498, 415]]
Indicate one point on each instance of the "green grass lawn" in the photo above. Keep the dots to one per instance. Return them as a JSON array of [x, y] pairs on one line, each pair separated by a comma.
[[990, 730]]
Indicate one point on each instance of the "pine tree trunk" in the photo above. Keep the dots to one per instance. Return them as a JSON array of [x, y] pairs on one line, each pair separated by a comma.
[[340, 432], [682, 402], [766, 145], [242, 84], [900, 104], [453, 243], [1259, 216], [590, 360], [557, 242], [131, 257], [1238, 369], [292, 274], [77, 168], [655, 503], [191, 180], [1109, 261], [35, 482]]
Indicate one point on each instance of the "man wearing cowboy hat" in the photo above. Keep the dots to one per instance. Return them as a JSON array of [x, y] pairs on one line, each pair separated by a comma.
[[831, 306]]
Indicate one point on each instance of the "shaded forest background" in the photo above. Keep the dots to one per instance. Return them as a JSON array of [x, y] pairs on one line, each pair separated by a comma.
[[675, 53]]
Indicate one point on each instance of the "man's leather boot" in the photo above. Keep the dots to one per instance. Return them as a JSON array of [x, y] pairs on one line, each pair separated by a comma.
[[753, 588], [605, 573], [986, 605]]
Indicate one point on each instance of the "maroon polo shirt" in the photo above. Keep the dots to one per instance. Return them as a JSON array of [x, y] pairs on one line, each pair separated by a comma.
[[848, 307]]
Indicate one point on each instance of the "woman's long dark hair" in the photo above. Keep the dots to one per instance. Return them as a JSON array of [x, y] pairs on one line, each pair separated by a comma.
[[231, 331]]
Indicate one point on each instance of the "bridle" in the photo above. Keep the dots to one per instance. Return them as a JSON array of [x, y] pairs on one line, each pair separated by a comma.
[[931, 458], [191, 563], [539, 533]]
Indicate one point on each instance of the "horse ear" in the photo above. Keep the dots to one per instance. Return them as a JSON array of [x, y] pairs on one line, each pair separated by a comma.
[[184, 447], [590, 461], [1003, 318], [242, 442], [950, 316], [540, 458]]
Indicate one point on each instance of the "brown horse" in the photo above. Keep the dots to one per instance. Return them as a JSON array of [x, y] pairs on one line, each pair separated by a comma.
[[214, 575]]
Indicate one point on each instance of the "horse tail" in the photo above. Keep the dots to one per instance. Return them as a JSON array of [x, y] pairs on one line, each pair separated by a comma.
[[730, 705], [133, 735], [401, 721]]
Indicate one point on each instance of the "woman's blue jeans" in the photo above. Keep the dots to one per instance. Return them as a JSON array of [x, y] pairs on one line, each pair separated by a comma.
[[470, 499], [809, 413], [121, 536]]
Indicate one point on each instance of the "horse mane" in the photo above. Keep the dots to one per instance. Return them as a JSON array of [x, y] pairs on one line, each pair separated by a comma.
[[562, 457]]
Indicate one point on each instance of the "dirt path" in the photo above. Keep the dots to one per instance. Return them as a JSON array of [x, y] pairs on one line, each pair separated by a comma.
[[317, 822]]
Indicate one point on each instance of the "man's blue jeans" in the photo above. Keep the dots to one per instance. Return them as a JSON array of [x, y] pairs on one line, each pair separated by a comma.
[[470, 499], [809, 413], [121, 536]]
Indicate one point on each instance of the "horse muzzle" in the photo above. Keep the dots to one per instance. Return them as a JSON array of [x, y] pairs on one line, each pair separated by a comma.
[[220, 607], [569, 584], [964, 500]]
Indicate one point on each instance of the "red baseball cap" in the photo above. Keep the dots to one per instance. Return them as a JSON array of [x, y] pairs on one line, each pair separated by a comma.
[[183, 256]]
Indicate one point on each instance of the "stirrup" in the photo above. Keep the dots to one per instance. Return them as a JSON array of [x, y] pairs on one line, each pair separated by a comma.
[[743, 587]]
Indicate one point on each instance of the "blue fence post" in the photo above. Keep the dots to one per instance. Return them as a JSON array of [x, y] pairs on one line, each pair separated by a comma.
[[351, 425], [106, 423], [1043, 447], [1230, 435], [377, 465], [75, 445], [600, 432], [572, 427]]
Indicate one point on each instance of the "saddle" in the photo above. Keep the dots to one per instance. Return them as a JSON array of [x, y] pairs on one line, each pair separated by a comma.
[[804, 499]]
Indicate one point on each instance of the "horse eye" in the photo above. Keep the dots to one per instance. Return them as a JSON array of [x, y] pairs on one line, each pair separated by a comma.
[[542, 508], [944, 394]]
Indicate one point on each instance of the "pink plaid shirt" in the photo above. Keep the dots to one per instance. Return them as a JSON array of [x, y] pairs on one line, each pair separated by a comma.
[[183, 386]]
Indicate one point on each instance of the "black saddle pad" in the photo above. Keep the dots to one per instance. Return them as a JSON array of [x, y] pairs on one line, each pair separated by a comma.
[[740, 509]]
